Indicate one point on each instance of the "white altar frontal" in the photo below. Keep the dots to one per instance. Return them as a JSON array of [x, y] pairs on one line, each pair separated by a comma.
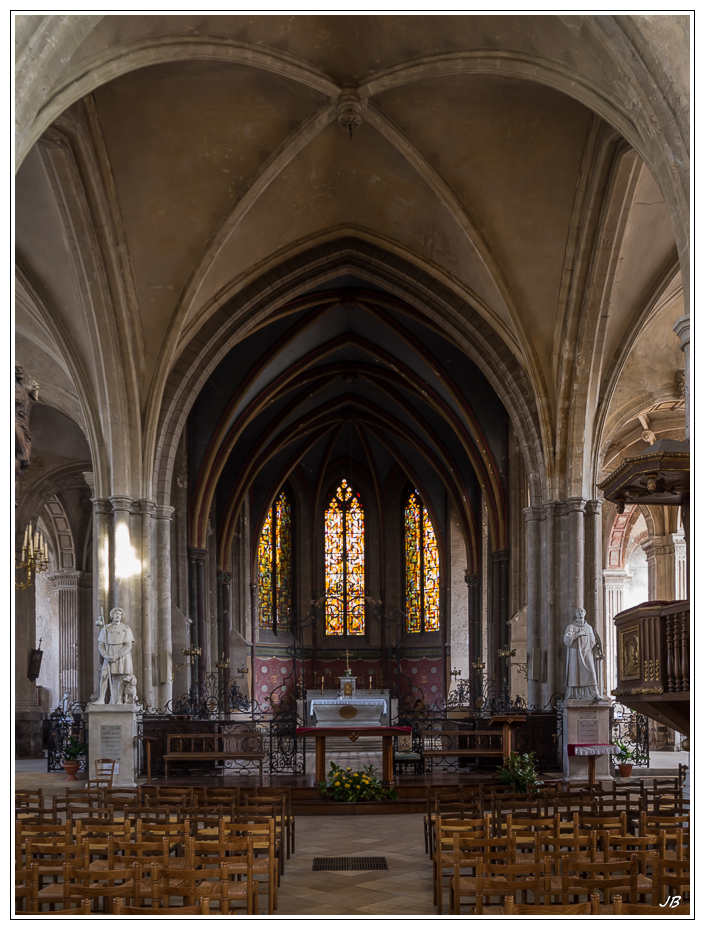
[[348, 706]]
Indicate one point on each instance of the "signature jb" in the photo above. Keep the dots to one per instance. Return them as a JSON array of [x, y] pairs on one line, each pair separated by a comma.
[[672, 901]]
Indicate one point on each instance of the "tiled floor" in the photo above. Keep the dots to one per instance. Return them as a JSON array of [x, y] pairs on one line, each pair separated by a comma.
[[404, 889]]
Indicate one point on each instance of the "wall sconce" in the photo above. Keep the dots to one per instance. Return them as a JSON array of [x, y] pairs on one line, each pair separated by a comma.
[[35, 557], [224, 663], [506, 653], [191, 652]]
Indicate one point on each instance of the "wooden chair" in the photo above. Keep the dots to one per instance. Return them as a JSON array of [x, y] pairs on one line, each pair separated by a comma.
[[495, 880], [261, 829], [27, 890], [41, 832], [442, 802], [266, 861], [219, 875], [122, 853], [611, 825], [581, 879], [466, 849], [50, 860], [670, 877], [647, 910], [289, 819], [29, 797], [552, 910], [105, 772], [107, 885]]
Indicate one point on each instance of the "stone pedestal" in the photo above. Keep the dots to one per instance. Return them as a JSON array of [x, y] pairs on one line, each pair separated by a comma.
[[586, 722], [112, 734]]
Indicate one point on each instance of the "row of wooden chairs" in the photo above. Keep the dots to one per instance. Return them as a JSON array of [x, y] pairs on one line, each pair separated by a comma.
[[217, 881], [100, 847], [534, 840]]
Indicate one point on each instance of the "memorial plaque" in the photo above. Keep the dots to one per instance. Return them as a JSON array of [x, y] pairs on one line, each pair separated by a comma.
[[111, 741], [587, 727]]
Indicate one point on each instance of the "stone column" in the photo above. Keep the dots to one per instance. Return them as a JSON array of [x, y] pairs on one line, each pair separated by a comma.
[[681, 567], [614, 583], [534, 517], [224, 580], [163, 516], [150, 651], [28, 714], [126, 570], [682, 330], [67, 583], [499, 600], [593, 579], [101, 578], [661, 561], [474, 583], [197, 607], [549, 599]]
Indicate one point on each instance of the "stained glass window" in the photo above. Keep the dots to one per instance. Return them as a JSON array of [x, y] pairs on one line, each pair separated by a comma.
[[274, 567], [344, 549], [422, 569]]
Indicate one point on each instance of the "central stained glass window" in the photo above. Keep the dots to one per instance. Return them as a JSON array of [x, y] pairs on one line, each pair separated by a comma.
[[274, 567], [345, 563], [422, 569]]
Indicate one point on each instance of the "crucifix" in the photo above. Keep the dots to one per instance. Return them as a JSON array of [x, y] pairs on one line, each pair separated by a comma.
[[347, 664]]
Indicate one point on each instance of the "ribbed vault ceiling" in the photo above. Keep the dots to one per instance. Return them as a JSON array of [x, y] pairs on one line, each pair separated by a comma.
[[348, 377]]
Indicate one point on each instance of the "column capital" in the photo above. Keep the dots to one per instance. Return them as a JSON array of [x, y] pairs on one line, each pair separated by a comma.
[[164, 512], [473, 581], [67, 578], [682, 330], [502, 555], [224, 577], [617, 576], [121, 504], [101, 505], [146, 506], [575, 504], [197, 555], [533, 513], [89, 478], [593, 507]]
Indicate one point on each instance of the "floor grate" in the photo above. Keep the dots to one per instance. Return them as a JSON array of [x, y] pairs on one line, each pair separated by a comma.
[[351, 864]]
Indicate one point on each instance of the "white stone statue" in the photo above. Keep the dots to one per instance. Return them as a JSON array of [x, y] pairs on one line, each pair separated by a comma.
[[581, 677], [115, 645]]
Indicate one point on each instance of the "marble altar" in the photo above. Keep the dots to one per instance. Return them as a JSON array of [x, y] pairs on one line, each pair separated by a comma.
[[347, 711]]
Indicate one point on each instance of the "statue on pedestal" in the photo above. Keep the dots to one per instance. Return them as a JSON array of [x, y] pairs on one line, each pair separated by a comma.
[[25, 395], [581, 677], [115, 646]]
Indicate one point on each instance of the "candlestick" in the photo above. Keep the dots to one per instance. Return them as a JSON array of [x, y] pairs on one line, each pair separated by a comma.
[[370, 684]]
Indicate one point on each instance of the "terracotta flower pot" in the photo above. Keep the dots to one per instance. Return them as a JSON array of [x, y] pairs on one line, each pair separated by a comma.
[[71, 768], [625, 769]]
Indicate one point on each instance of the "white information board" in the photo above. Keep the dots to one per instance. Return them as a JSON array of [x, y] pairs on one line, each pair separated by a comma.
[[111, 741]]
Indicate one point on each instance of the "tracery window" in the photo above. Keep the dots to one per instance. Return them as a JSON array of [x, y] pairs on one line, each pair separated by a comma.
[[274, 567], [344, 551], [422, 595]]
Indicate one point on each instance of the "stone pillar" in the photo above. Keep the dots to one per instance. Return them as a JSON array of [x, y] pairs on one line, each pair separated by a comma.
[[164, 646], [458, 627], [681, 567], [101, 578], [150, 652], [682, 330], [661, 561], [224, 580], [534, 517], [593, 580], [28, 714], [554, 675], [126, 571], [197, 607], [474, 583], [499, 616], [614, 583], [68, 585]]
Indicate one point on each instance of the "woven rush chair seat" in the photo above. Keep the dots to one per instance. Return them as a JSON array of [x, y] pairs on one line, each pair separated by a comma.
[[497, 880], [552, 910]]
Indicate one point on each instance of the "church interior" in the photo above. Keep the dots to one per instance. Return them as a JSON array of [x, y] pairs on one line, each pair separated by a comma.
[[352, 401]]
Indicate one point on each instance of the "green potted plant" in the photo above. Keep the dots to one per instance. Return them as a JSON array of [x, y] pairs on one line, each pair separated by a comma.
[[519, 772], [624, 759], [74, 752], [346, 785]]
